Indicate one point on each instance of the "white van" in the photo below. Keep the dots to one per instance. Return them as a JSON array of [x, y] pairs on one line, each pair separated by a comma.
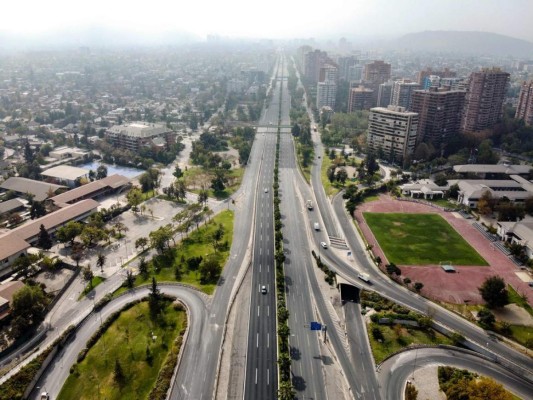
[[316, 226], [364, 277]]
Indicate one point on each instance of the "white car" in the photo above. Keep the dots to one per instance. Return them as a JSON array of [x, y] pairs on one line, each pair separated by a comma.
[[45, 396], [264, 289], [266, 190], [324, 245]]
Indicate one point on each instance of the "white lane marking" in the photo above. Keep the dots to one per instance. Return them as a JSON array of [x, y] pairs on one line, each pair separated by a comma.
[[268, 311], [256, 376], [268, 376], [268, 339], [257, 340], [259, 267], [258, 311]]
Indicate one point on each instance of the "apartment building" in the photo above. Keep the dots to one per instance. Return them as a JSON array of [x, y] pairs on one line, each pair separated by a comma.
[[484, 99], [360, 98], [392, 132], [402, 91], [326, 90], [524, 108], [131, 136], [439, 114]]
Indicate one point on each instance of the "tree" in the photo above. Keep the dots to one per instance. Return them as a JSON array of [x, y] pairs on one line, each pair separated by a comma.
[[286, 390], [130, 279], [418, 286], [494, 292], [134, 197], [143, 267], [178, 173], [454, 191], [486, 318], [487, 389], [91, 235], [141, 242], [160, 238], [77, 253], [331, 173], [218, 183], [29, 156], [37, 209], [371, 164], [69, 232], [88, 275], [100, 261], [341, 175], [441, 180], [154, 298], [203, 195], [28, 308], [209, 270], [101, 172], [217, 236], [43, 240], [393, 269], [120, 227]]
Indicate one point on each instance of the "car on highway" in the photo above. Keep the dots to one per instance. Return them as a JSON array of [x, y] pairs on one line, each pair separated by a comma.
[[264, 289], [324, 245], [316, 226], [45, 396], [266, 190]]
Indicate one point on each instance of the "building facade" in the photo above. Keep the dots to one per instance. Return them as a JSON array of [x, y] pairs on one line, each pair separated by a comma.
[[377, 72], [360, 98], [402, 93], [326, 90], [439, 114], [385, 94], [392, 132], [484, 99], [132, 136], [524, 108]]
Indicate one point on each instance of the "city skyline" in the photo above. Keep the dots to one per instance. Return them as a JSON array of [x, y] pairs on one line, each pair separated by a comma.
[[237, 18]]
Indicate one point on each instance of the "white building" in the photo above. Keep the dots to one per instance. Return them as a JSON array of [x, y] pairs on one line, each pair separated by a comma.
[[133, 135], [392, 132]]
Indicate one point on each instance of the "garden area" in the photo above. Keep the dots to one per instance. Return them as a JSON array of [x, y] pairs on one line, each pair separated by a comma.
[[197, 260], [130, 356], [393, 327], [420, 239]]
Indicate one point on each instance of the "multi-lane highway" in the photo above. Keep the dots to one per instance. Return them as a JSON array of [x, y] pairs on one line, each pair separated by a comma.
[[261, 358]]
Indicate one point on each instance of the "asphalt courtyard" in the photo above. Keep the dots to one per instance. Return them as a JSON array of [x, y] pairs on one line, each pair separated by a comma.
[[460, 287]]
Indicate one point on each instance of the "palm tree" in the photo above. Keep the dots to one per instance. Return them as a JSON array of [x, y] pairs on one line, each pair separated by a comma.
[[100, 261]]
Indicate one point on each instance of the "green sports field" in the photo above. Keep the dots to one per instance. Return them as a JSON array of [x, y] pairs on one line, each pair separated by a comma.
[[420, 239]]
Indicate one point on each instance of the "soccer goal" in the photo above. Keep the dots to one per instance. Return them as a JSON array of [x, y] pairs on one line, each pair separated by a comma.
[[447, 266]]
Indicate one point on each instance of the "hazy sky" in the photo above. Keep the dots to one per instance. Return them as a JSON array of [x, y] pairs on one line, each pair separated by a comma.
[[273, 18]]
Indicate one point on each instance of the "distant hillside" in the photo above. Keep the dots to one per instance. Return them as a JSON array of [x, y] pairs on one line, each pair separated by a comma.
[[466, 42]]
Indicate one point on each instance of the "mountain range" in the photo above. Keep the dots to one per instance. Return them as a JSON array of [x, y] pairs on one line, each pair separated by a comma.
[[465, 42]]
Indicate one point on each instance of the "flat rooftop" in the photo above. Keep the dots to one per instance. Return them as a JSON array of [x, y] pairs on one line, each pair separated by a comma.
[[65, 172]]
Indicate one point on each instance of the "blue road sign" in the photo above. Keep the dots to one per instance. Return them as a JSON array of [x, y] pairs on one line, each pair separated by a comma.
[[316, 326]]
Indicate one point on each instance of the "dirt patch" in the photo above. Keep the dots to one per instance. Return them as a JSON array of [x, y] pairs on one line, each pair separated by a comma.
[[514, 315]]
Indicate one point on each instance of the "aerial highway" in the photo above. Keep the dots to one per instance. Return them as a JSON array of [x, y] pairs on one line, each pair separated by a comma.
[[395, 371], [261, 356]]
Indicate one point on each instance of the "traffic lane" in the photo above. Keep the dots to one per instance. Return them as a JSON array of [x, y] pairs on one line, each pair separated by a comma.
[[362, 358], [394, 372], [305, 352]]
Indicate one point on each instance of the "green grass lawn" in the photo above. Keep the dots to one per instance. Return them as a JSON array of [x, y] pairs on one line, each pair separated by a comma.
[[406, 336], [195, 245], [126, 340], [420, 239], [90, 286], [519, 300], [331, 189]]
